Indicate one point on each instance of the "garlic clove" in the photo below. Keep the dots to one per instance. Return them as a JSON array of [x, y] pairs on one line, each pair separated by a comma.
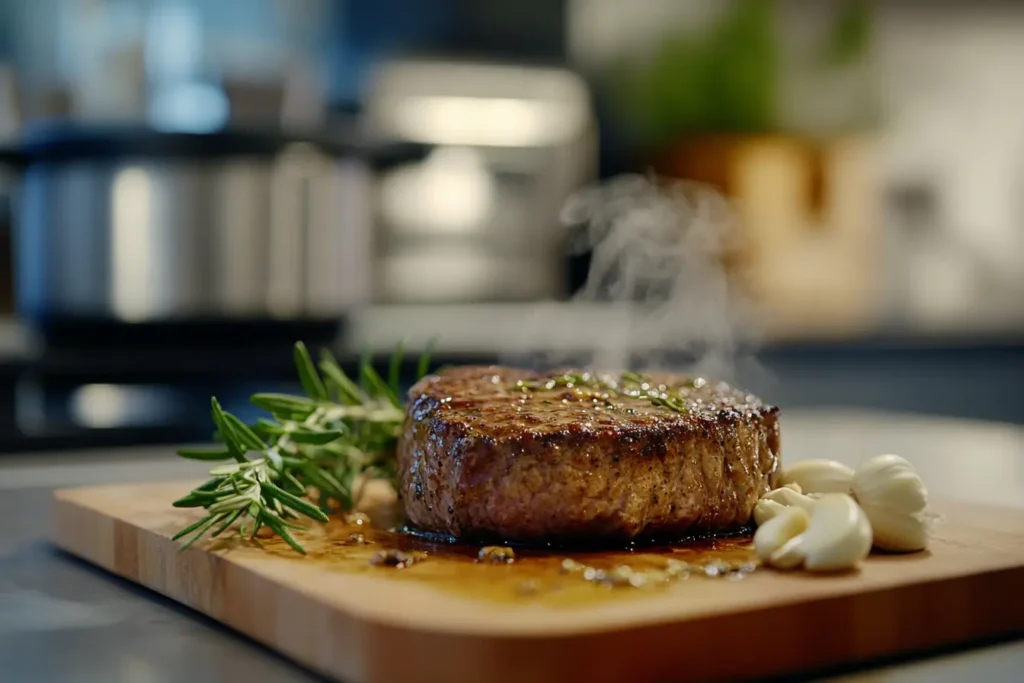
[[790, 555], [819, 476], [838, 534], [894, 499], [774, 533], [789, 498], [899, 531], [766, 509], [891, 480], [792, 486], [905, 492]]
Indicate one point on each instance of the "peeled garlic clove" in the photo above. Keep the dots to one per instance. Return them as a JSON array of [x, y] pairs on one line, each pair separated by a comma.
[[838, 535], [819, 476], [789, 498], [774, 533], [792, 486], [790, 555], [891, 481], [894, 499], [899, 531], [766, 509]]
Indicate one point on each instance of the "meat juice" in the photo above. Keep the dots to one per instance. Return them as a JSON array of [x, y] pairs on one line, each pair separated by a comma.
[[555, 576]]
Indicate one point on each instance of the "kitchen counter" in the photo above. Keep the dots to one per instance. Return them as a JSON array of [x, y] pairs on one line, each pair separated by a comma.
[[63, 620]]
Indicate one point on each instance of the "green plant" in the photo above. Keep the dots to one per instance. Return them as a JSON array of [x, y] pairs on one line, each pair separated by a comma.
[[726, 79], [721, 81]]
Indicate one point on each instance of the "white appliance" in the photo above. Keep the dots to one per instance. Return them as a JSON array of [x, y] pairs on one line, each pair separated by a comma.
[[478, 219]]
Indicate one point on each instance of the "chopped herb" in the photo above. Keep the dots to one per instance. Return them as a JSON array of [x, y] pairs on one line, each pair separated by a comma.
[[632, 384]]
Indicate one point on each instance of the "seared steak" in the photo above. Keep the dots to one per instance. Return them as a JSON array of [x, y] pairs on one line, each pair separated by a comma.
[[501, 453]]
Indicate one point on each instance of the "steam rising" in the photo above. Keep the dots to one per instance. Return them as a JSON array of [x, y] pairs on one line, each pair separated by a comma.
[[657, 294]]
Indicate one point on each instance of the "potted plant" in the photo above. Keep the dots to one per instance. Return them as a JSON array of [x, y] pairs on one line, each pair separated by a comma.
[[787, 136]]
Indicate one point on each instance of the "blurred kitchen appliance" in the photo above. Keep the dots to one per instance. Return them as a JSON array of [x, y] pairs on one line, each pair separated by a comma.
[[478, 219], [122, 228]]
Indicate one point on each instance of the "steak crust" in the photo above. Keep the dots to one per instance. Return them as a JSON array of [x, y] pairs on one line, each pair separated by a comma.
[[500, 453]]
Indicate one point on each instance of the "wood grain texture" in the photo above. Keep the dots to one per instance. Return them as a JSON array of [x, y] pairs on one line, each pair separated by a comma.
[[368, 627]]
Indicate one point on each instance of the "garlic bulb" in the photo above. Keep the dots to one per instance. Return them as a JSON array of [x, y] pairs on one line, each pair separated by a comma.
[[819, 476], [778, 530], [894, 499], [838, 535]]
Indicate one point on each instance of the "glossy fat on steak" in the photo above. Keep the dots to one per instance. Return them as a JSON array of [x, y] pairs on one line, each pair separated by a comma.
[[501, 453]]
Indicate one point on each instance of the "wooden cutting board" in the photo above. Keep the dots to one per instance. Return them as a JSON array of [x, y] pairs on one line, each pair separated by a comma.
[[384, 624]]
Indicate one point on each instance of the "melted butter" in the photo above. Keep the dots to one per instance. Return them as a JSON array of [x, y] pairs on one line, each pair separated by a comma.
[[553, 577]]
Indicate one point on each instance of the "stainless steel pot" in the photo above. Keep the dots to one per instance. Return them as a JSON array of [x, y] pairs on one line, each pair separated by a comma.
[[143, 227]]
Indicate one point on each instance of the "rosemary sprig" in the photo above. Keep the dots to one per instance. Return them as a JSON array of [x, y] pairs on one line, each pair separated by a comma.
[[330, 440]]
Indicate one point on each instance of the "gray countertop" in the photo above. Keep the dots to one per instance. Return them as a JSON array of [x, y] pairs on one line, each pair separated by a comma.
[[62, 620]]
